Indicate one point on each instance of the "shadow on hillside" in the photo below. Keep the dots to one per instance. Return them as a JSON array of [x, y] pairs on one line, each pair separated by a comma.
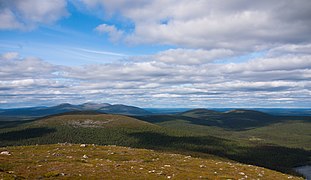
[[165, 118], [26, 134], [11, 124], [273, 157]]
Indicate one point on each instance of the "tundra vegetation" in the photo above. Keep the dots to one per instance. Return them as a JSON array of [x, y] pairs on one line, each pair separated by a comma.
[[247, 137]]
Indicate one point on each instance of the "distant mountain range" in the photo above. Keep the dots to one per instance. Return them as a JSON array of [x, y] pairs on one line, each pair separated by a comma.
[[66, 107]]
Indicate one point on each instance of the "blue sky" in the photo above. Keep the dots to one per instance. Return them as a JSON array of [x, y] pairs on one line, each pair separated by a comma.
[[155, 53]]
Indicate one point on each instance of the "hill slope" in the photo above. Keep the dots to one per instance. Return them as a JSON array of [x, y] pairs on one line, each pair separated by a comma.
[[76, 127], [64, 161], [238, 119], [105, 129], [242, 125]]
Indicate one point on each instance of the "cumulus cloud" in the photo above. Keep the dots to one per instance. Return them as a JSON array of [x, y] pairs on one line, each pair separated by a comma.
[[270, 80], [8, 20], [27, 14], [113, 33], [12, 67], [213, 24], [9, 56], [205, 35], [191, 56]]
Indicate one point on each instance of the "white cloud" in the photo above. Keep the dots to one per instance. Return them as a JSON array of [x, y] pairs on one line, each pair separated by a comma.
[[27, 14], [238, 25], [202, 31], [273, 79], [281, 63], [12, 68], [9, 56], [8, 20], [113, 33], [290, 49], [191, 56]]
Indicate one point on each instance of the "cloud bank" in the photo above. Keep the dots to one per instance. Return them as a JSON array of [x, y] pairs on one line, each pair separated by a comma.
[[272, 80], [222, 53], [212, 24], [27, 14]]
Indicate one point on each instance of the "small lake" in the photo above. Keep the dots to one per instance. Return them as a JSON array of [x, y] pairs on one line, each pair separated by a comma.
[[305, 170]]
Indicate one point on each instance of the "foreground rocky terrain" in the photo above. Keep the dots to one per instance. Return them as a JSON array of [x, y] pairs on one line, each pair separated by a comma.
[[83, 161]]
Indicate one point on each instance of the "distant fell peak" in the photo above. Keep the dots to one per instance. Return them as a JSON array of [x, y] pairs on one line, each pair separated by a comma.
[[89, 103], [63, 105], [201, 110], [122, 105], [92, 103], [77, 112], [124, 109], [244, 111]]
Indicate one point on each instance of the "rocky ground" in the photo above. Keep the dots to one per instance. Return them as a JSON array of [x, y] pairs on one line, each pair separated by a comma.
[[62, 161]]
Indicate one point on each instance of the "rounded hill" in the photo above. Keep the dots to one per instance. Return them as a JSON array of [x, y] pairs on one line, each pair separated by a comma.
[[92, 120]]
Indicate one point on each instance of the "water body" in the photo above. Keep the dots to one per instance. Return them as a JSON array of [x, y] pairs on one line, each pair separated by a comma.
[[305, 170]]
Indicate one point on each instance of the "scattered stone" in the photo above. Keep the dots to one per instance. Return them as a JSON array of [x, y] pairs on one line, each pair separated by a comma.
[[290, 177], [85, 156], [5, 153], [160, 173], [202, 166], [56, 154], [11, 172], [83, 145], [167, 165], [242, 173], [169, 177]]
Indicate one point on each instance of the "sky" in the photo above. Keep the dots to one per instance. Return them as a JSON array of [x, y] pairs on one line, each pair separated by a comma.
[[156, 53]]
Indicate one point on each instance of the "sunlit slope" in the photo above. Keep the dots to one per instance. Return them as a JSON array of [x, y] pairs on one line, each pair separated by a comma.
[[76, 128], [63, 161]]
